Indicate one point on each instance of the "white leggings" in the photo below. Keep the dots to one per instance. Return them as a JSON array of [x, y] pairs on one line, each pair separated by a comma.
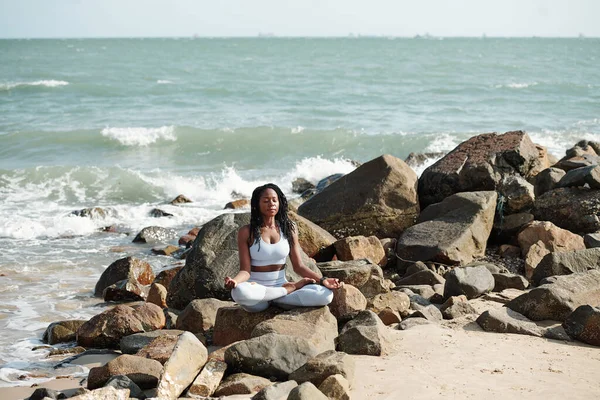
[[264, 287]]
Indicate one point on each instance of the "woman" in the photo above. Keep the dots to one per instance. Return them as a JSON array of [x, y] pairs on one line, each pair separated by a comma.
[[264, 246]]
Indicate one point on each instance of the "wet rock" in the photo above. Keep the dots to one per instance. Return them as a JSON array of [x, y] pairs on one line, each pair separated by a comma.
[[155, 234], [270, 355], [451, 232], [209, 379], [181, 199], [573, 209], [165, 277], [130, 268], [241, 383], [312, 237], [43, 393], [94, 213], [237, 204], [277, 391], [479, 163], [584, 325], [142, 371], [317, 369], [158, 213], [199, 316], [166, 251], [470, 281], [124, 291], [505, 320], [347, 302], [555, 301], [306, 391], [233, 324], [300, 185], [62, 331], [360, 247], [365, 335], [566, 263], [378, 198], [506, 227]]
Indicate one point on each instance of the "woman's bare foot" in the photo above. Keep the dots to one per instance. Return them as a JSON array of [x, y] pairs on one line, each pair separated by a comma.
[[290, 287]]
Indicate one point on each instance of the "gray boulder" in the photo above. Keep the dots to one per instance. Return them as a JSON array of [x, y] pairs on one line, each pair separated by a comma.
[[238, 384], [456, 306], [378, 198], [470, 281], [451, 232], [365, 334], [200, 314], [306, 391], [426, 277], [517, 194], [277, 391], [155, 234], [555, 301], [317, 369], [584, 325], [336, 387], [505, 320], [547, 180], [142, 371], [575, 209], [123, 382], [589, 175], [566, 263], [509, 281]]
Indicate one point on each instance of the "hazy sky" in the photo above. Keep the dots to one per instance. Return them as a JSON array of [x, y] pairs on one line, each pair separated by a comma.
[[109, 18]]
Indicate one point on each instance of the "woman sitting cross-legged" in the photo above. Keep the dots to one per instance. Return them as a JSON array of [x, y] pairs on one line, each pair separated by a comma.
[[264, 246]]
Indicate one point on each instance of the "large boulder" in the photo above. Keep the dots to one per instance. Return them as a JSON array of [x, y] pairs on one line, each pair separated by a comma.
[[542, 237], [470, 281], [355, 273], [315, 324], [336, 387], [378, 198], [560, 298], [505, 320], [365, 334], [581, 176], [277, 391], [233, 324], [584, 325], [347, 302], [547, 180], [142, 371], [478, 164], [518, 194], [359, 247], [451, 232], [155, 234], [567, 263], [214, 256], [576, 209], [199, 316], [62, 331], [317, 369], [306, 391], [270, 355], [130, 268], [312, 237]]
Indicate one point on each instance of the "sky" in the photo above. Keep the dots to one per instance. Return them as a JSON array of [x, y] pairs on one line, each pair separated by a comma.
[[166, 18]]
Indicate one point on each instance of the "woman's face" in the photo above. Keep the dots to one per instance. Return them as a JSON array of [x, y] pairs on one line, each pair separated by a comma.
[[269, 203]]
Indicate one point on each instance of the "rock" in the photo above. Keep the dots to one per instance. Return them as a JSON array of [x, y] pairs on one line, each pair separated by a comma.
[[414, 268], [104, 393], [566, 263], [376, 285], [124, 291], [430, 313], [396, 301], [158, 213], [365, 335], [412, 322], [325, 182], [300, 185], [129, 268], [312, 237], [516, 193], [214, 256], [336, 387], [166, 251], [457, 306], [389, 246], [426, 277], [470, 281], [150, 315], [589, 175], [505, 320], [317, 369], [506, 227], [233, 324], [557, 300], [241, 383], [186, 240], [592, 240], [200, 314], [347, 302], [142, 371], [389, 316], [306, 391], [237, 204], [123, 382], [540, 238], [416, 160], [509, 251], [424, 291], [583, 324], [479, 163], [548, 180], [42, 393], [574, 209], [62, 331], [160, 348], [157, 295], [165, 277], [509, 281], [359, 247], [94, 213], [133, 343], [451, 232], [270, 355], [583, 160], [106, 329], [181, 199], [355, 273], [315, 324], [186, 361], [209, 379], [277, 391], [378, 198], [155, 234]]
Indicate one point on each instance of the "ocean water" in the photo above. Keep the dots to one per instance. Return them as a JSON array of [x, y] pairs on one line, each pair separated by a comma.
[[128, 124]]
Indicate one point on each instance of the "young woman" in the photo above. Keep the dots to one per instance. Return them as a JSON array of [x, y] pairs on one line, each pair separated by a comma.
[[264, 246]]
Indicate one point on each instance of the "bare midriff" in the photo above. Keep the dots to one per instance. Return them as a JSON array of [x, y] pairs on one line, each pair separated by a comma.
[[267, 268]]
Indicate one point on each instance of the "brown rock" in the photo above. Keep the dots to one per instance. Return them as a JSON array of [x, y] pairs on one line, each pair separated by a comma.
[[209, 378], [200, 315], [186, 240], [159, 349], [241, 383], [142, 371], [575, 209], [584, 325], [347, 302], [236, 204], [166, 251], [150, 315], [62, 331], [181, 199], [233, 324], [106, 329], [396, 301], [317, 369], [335, 387], [359, 247], [456, 306], [355, 273], [157, 295], [312, 237], [129, 268], [389, 316], [165, 277], [125, 290]]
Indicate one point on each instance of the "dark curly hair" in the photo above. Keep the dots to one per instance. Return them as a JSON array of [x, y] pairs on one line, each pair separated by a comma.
[[286, 226]]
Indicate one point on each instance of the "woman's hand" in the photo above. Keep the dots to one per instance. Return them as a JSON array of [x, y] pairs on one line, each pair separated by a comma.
[[332, 283], [230, 283]]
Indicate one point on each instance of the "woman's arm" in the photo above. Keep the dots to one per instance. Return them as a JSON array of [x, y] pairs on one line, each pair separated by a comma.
[[303, 270], [244, 251]]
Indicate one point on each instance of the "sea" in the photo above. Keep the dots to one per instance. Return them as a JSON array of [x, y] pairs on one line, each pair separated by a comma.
[[129, 124]]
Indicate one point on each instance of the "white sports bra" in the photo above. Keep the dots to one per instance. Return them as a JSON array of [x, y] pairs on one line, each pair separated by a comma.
[[269, 253]]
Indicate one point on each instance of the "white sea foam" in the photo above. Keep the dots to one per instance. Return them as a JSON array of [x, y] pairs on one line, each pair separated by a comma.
[[517, 85], [137, 136], [164, 82], [298, 129], [46, 83]]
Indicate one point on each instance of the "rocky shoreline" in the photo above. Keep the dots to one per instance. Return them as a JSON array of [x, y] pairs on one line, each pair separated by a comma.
[[495, 233]]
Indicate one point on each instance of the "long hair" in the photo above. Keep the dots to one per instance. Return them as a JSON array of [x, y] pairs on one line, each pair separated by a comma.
[[286, 226]]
